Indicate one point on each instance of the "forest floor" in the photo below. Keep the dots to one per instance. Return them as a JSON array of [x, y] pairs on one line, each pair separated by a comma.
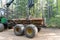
[[44, 34]]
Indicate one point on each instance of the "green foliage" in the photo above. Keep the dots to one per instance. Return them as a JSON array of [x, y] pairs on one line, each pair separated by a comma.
[[51, 11], [54, 22], [21, 11]]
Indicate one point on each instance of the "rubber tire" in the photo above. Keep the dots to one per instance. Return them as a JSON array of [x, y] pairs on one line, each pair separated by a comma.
[[39, 29], [21, 30], [10, 26], [34, 28], [1, 27]]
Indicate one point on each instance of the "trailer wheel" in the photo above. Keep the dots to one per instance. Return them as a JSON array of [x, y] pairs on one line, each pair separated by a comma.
[[19, 29], [30, 31], [39, 29], [1, 27], [10, 26]]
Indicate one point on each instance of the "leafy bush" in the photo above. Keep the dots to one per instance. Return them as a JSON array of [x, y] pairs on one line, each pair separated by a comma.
[[54, 22]]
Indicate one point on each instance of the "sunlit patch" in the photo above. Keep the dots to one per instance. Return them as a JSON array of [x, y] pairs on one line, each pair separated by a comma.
[[2, 37]]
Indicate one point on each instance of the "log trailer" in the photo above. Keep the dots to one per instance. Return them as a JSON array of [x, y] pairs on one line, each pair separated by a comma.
[[26, 26]]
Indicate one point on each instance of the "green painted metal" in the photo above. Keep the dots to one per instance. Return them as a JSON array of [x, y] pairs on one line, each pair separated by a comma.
[[4, 20]]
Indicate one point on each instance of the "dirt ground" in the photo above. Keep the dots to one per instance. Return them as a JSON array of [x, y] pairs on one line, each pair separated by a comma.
[[44, 34]]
